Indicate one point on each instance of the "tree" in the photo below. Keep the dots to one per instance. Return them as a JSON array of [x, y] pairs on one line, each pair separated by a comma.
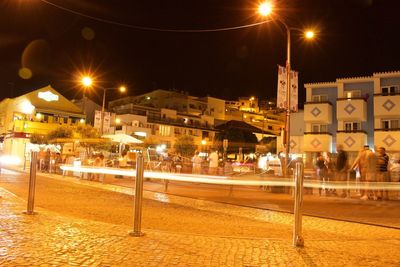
[[85, 132], [185, 146], [36, 138], [60, 132], [150, 142]]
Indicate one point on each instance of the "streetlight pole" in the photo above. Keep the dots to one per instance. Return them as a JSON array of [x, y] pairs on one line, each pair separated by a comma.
[[265, 9], [102, 111], [288, 87], [122, 89]]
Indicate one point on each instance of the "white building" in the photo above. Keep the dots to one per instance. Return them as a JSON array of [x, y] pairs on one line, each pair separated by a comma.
[[353, 112]]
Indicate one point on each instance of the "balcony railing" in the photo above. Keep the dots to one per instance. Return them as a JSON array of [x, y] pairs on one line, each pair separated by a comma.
[[324, 133], [352, 131], [387, 129], [318, 102], [352, 98], [387, 94]]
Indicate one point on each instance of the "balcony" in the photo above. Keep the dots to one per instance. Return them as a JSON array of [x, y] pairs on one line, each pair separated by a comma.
[[351, 140], [387, 138], [180, 122], [318, 112], [387, 105], [354, 109], [317, 142]]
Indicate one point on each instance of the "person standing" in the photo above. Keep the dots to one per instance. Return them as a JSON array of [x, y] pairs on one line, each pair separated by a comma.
[[213, 163], [197, 161], [321, 172], [361, 163], [382, 172], [341, 167]]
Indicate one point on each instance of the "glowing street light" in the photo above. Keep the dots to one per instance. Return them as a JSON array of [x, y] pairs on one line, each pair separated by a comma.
[[309, 34], [87, 81], [265, 9]]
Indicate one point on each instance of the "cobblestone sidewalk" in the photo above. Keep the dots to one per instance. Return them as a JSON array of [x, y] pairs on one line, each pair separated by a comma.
[[49, 239]]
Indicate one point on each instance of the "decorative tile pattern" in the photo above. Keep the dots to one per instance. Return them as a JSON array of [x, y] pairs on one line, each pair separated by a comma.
[[315, 112], [349, 141], [315, 143], [389, 140], [349, 109], [388, 105]]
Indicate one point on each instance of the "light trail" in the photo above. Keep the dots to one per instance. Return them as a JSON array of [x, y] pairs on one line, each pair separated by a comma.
[[225, 180]]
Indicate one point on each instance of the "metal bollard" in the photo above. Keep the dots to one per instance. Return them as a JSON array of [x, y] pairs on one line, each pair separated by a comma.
[[32, 184], [298, 240], [137, 221]]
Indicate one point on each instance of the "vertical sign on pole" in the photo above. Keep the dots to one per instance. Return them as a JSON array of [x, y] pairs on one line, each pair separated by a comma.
[[137, 221], [32, 184]]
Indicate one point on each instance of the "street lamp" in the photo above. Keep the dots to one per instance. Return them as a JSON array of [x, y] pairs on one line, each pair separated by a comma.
[[122, 89], [265, 9], [87, 82]]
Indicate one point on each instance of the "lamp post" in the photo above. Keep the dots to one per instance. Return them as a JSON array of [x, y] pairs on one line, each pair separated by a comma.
[[265, 9], [122, 89], [87, 82]]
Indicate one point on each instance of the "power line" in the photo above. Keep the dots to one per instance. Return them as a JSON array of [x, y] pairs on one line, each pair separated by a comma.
[[136, 27]]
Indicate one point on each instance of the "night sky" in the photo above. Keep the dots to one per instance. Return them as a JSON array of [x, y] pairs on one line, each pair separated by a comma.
[[355, 38]]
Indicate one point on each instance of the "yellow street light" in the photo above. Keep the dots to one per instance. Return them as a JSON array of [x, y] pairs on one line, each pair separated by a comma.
[[117, 120], [87, 81], [309, 34], [265, 8], [122, 89]]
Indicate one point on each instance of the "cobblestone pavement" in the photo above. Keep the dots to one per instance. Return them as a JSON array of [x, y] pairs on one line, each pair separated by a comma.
[[54, 239]]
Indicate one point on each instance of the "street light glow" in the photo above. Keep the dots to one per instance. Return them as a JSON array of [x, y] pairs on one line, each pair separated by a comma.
[[265, 8], [86, 81], [122, 89], [309, 34], [117, 120]]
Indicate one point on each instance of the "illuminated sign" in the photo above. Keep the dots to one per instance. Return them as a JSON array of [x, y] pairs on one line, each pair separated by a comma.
[[48, 96]]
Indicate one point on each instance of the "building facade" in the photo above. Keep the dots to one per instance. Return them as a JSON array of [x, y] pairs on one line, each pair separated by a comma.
[[37, 112], [353, 112]]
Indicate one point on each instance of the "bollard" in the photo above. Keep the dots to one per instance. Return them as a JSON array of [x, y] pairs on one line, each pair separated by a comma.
[[32, 184], [137, 209], [298, 240]]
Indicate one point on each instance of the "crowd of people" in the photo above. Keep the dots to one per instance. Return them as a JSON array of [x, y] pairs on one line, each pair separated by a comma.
[[371, 167]]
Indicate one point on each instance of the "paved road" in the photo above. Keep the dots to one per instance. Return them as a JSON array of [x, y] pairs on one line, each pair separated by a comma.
[[83, 223], [386, 213]]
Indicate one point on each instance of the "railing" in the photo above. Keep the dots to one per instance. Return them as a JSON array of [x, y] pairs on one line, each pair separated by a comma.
[[318, 102], [352, 98], [328, 133], [352, 131]]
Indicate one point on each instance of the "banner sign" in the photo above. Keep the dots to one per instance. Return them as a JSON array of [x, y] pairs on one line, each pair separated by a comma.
[[282, 89]]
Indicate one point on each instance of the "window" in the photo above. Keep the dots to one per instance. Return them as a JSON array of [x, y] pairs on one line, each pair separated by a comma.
[[319, 128], [390, 124], [319, 98], [165, 130], [352, 126], [390, 90], [352, 94]]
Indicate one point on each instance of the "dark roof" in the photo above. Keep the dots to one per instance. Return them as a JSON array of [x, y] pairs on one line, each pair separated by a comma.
[[233, 124]]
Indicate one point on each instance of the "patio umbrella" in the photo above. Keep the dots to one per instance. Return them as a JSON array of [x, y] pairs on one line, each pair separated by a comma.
[[122, 138]]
